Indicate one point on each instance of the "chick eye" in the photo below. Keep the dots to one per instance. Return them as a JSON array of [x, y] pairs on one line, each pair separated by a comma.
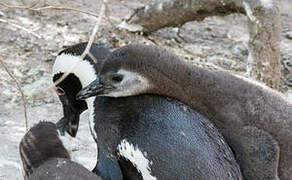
[[60, 91], [117, 78]]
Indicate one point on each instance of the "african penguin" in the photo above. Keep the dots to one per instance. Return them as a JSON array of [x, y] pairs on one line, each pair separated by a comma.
[[255, 120], [44, 157], [145, 137], [84, 71]]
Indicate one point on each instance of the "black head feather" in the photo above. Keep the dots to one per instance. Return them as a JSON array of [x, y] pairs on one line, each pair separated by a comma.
[[97, 50]]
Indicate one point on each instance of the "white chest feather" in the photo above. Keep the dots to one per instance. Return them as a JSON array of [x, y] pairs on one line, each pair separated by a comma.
[[137, 158], [90, 104]]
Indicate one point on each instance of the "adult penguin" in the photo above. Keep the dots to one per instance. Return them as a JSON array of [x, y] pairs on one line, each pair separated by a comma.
[[44, 156], [146, 137], [255, 120]]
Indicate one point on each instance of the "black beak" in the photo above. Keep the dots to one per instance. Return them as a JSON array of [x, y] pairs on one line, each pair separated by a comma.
[[93, 89], [70, 121], [65, 124]]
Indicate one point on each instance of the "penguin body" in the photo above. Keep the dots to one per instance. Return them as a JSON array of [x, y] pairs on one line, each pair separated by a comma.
[[143, 137]]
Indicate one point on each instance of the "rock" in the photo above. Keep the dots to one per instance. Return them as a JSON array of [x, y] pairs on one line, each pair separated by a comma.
[[240, 48], [37, 89], [289, 35], [287, 63], [130, 27], [2, 14], [289, 95], [289, 80]]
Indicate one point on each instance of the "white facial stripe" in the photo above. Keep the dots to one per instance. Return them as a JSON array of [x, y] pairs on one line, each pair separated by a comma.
[[137, 158], [85, 72], [74, 64], [132, 84]]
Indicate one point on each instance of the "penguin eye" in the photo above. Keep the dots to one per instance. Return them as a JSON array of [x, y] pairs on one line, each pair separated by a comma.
[[60, 91], [117, 78]]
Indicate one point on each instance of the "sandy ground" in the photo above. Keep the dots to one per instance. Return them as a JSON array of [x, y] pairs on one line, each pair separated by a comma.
[[219, 42]]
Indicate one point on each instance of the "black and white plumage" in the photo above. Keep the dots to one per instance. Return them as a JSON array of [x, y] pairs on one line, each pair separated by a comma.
[[145, 137]]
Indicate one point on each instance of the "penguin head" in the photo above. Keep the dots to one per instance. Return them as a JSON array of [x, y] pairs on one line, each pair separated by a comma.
[[80, 72], [128, 71], [40, 144]]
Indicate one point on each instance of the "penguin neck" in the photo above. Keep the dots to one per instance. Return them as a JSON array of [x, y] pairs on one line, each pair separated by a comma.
[[189, 84], [218, 94]]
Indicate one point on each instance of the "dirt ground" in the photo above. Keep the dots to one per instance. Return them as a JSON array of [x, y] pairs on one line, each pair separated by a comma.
[[216, 42]]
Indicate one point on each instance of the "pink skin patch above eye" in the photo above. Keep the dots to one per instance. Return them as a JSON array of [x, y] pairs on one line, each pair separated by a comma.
[[59, 91]]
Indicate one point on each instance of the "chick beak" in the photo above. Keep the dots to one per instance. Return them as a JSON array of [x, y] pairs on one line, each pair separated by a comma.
[[93, 89]]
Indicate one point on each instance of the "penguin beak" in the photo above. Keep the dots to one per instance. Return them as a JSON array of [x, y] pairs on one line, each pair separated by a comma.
[[69, 125], [70, 121], [93, 89]]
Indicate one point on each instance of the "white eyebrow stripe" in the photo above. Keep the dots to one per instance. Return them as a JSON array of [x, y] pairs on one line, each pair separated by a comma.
[[74, 64]]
